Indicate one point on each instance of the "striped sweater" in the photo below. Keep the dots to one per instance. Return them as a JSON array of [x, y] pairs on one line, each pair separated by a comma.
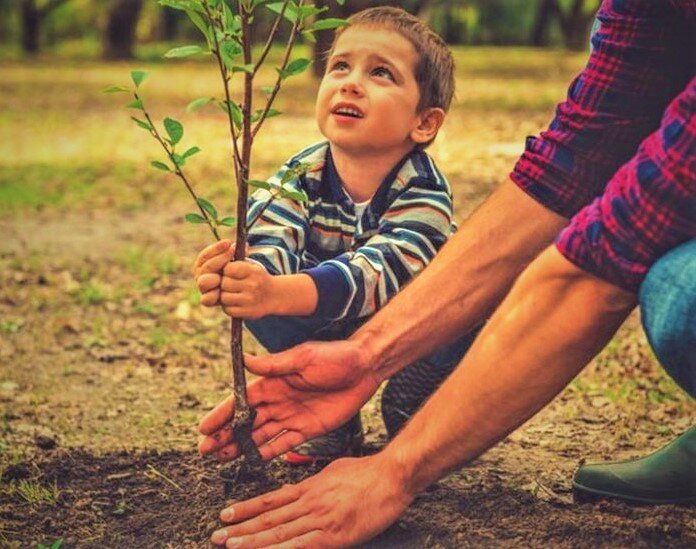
[[357, 264]]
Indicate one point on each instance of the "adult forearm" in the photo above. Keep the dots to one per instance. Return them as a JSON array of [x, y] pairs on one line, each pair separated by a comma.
[[463, 284], [555, 319]]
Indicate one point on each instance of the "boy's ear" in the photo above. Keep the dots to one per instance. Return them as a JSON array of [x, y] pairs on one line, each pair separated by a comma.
[[430, 121]]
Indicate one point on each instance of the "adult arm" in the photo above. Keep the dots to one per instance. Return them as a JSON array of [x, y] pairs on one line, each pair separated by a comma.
[[555, 319]]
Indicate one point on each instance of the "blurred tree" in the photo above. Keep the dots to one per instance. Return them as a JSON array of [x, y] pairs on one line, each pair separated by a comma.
[[32, 14], [119, 33], [574, 22]]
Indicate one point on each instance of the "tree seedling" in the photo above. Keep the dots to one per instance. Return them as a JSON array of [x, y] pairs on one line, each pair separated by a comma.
[[227, 27]]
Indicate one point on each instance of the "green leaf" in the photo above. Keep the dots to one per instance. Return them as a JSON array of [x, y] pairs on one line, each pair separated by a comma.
[[259, 184], [174, 129], [198, 20], [191, 152], [235, 112], [194, 218], [115, 89], [160, 166], [309, 36], [177, 4], [290, 12], [198, 103], [137, 104], [340, 2], [138, 77], [233, 23], [300, 196], [142, 123], [184, 51], [328, 24], [208, 207], [228, 221], [270, 114], [295, 67], [229, 49], [178, 160], [244, 68], [268, 90]]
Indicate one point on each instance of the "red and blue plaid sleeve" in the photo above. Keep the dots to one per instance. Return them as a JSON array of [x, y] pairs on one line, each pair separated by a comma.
[[639, 63], [648, 207]]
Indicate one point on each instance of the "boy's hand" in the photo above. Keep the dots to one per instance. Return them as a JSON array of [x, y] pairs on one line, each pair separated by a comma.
[[207, 270], [242, 288], [248, 291]]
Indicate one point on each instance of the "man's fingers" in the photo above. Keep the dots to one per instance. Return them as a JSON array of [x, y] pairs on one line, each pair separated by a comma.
[[315, 538], [283, 533], [287, 362], [217, 417], [245, 510], [281, 444]]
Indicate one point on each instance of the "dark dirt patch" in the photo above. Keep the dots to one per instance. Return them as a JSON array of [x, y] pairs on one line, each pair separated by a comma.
[[171, 499]]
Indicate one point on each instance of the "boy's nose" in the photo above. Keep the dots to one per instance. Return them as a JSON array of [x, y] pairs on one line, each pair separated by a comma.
[[351, 87]]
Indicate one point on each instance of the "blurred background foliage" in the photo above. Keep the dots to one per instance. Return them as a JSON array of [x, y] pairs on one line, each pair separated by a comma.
[[125, 29]]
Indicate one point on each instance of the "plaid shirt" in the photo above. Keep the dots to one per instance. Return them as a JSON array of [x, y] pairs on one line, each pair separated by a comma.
[[620, 156], [357, 263]]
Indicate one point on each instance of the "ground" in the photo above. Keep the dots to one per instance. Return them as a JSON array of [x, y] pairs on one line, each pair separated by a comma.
[[107, 361]]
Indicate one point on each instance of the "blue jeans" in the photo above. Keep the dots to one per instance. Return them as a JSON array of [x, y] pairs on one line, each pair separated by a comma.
[[668, 308]]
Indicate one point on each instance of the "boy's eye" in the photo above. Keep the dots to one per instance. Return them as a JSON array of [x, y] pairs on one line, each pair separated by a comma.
[[339, 66], [383, 72]]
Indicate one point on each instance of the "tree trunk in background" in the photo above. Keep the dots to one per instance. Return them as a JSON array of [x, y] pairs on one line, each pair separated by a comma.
[[169, 24], [119, 34], [31, 23], [574, 23], [31, 16]]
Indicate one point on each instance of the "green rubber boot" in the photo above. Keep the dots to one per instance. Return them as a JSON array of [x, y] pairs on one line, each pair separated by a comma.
[[665, 476]]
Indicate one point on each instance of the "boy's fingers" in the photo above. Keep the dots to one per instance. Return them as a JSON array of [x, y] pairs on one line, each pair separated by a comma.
[[239, 269], [211, 251], [208, 281], [215, 264], [211, 298]]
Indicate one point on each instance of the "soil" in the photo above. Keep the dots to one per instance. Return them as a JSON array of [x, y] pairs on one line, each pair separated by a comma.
[[118, 366], [171, 499]]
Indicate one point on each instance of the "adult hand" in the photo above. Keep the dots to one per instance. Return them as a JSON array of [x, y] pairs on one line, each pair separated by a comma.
[[350, 501], [305, 392]]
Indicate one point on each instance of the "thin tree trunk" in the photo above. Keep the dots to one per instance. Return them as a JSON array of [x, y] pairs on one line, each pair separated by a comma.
[[119, 35], [31, 23]]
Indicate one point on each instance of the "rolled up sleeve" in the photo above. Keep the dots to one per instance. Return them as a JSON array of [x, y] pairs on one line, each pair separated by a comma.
[[648, 206]]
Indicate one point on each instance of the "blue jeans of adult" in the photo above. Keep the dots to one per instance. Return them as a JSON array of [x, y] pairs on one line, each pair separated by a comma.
[[667, 301]]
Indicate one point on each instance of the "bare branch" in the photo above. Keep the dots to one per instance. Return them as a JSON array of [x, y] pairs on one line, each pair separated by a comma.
[[276, 88], [271, 36]]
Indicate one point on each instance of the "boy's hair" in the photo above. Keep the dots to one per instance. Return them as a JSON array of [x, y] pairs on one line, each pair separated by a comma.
[[435, 68]]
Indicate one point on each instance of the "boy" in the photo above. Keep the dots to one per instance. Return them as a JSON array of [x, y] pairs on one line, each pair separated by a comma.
[[378, 211]]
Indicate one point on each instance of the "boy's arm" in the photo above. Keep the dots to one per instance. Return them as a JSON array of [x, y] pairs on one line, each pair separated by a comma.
[[410, 232]]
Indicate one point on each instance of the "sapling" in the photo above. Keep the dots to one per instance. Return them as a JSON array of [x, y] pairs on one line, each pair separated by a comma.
[[227, 28]]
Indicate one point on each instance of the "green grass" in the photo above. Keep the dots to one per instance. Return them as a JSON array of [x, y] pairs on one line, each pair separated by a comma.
[[64, 145], [35, 493]]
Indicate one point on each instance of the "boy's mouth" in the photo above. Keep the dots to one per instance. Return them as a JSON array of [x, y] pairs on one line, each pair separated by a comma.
[[347, 110]]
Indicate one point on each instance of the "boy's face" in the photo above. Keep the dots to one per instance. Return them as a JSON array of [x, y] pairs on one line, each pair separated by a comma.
[[368, 97]]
